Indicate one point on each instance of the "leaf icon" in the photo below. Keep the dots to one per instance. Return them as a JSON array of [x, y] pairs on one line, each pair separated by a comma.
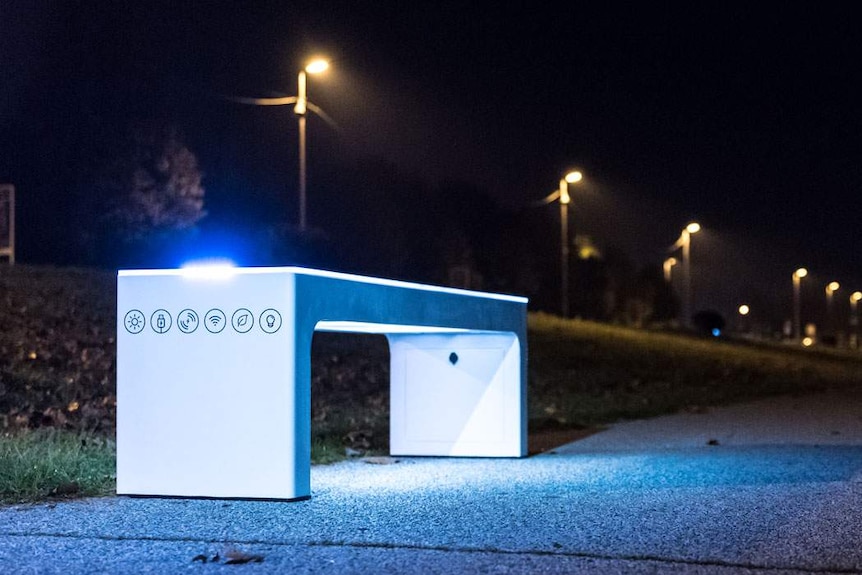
[[242, 320]]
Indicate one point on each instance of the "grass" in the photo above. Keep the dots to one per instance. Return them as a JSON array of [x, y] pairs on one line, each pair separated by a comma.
[[586, 373], [58, 357], [50, 463]]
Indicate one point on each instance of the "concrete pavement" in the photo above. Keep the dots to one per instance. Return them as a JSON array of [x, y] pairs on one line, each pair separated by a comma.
[[769, 487]]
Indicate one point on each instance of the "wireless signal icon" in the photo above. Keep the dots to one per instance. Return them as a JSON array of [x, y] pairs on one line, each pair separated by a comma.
[[187, 321], [215, 320]]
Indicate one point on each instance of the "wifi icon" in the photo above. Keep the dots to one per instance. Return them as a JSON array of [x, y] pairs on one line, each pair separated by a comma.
[[215, 320]]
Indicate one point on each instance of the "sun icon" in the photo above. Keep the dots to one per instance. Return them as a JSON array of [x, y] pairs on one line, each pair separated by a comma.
[[135, 321]]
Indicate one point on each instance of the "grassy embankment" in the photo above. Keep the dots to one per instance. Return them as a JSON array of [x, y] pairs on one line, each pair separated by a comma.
[[58, 357]]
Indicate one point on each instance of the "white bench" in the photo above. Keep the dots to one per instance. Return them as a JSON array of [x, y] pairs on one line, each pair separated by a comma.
[[214, 374]]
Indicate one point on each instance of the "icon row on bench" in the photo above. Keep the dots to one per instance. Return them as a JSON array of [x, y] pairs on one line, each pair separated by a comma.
[[215, 320]]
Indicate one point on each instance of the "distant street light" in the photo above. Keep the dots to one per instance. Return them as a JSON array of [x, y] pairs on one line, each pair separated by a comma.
[[797, 314], [831, 288], [668, 266], [684, 242], [854, 300], [562, 194], [300, 109], [854, 318], [301, 105], [570, 178], [744, 324]]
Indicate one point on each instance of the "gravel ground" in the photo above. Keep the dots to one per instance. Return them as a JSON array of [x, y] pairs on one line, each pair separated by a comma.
[[751, 502]]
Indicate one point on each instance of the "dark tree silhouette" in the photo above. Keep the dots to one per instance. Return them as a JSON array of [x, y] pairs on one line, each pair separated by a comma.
[[144, 189], [154, 185]]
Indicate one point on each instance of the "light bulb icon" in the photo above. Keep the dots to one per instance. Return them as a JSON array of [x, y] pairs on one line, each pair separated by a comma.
[[270, 320]]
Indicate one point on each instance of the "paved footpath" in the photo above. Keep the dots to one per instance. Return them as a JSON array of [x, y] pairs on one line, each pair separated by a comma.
[[771, 487]]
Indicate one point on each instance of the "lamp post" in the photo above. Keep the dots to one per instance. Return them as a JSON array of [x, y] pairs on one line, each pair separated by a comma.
[[797, 314], [301, 105], [668, 268], [570, 178], [300, 109], [831, 288], [743, 310], [684, 241], [854, 319]]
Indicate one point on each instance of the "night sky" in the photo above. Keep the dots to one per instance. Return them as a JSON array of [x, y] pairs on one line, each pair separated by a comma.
[[742, 115]]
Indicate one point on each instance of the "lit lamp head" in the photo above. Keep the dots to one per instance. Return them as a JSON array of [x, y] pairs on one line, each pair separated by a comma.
[[574, 177], [832, 287], [800, 273], [855, 296], [692, 228], [315, 66], [744, 310], [570, 178]]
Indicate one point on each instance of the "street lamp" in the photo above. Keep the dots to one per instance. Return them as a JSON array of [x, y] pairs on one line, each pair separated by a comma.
[[684, 242], [854, 318], [668, 266], [570, 178], [301, 105], [831, 288], [300, 109], [743, 310], [854, 300], [797, 319]]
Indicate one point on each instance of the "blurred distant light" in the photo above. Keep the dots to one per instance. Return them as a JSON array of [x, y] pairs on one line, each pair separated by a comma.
[[744, 310], [716, 332], [692, 228], [832, 287], [801, 273], [807, 341], [856, 296]]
